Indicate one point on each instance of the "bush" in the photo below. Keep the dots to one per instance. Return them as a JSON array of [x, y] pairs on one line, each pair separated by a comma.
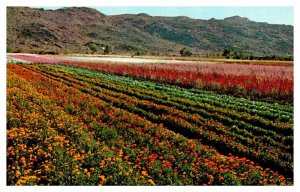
[[138, 53], [107, 49], [9, 50], [185, 52], [92, 46], [231, 179], [226, 53]]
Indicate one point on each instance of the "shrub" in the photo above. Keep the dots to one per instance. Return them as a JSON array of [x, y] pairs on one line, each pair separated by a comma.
[[9, 50], [185, 52], [107, 49]]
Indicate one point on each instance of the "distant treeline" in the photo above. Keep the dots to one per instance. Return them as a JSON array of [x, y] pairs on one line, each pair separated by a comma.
[[227, 53], [231, 54]]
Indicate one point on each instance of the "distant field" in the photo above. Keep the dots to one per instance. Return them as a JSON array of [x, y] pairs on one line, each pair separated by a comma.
[[83, 121], [268, 82], [150, 59]]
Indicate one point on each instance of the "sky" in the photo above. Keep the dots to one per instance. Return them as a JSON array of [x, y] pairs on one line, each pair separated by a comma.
[[270, 14]]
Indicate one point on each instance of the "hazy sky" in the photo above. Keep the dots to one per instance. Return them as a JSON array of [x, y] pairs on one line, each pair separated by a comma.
[[274, 15]]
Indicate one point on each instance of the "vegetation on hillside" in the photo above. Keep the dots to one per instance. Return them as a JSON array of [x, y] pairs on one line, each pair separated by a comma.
[[34, 30]]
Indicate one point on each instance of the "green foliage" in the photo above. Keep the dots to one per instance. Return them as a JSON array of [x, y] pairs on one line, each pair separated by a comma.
[[93, 47], [107, 49], [106, 134], [229, 53], [231, 179], [92, 35], [27, 32], [9, 50], [138, 53], [19, 50], [184, 52], [66, 52], [226, 53]]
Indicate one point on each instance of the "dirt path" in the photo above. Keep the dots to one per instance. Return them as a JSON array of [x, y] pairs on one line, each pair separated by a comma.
[[128, 60]]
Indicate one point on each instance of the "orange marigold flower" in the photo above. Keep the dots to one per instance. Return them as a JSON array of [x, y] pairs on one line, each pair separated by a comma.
[[144, 173], [281, 178], [102, 164], [23, 160], [50, 148], [210, 177], [120, 153], [18, 173], [151, 181], [221, 178], [102, 177], [263, 174]]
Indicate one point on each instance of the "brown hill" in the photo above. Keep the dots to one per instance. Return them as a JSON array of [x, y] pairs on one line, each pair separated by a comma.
[[79, 29]]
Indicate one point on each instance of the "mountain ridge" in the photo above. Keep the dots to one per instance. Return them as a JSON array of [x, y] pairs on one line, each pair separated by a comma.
[[72, 29]]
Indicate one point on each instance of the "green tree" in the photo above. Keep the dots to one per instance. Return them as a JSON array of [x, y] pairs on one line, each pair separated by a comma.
[[138, 53], [226, 53], [185, 52], [251, 57], [107, 49], [93, 47]]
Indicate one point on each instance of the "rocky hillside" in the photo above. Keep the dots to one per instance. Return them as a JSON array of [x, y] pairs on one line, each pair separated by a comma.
[[84, 30]]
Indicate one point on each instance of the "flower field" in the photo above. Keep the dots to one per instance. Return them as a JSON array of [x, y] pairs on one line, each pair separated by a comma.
[[68, 125], [271, 83]]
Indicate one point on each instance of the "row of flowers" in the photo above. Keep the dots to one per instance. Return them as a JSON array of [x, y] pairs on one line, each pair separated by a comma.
[[132, 134], [270, 83], [206, 109], [257, 143]]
